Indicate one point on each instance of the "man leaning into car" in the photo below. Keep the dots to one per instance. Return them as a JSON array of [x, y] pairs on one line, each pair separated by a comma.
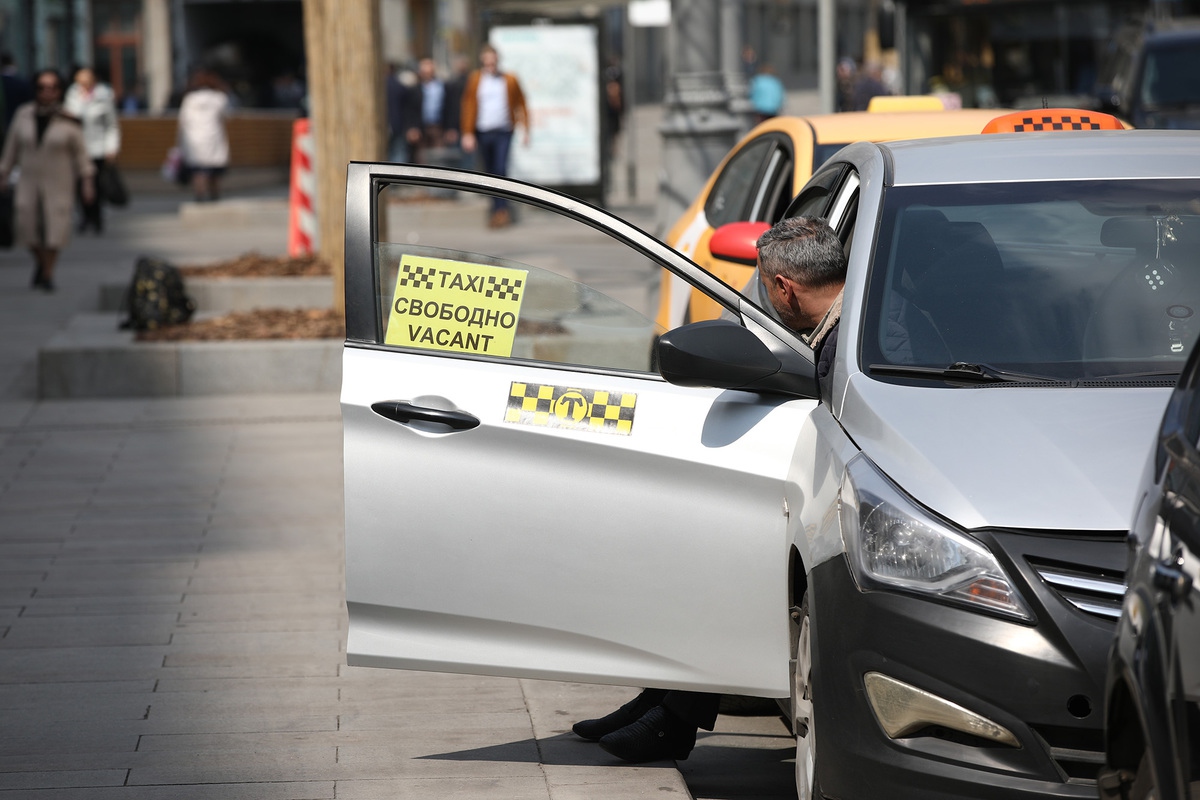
[[801, 271]]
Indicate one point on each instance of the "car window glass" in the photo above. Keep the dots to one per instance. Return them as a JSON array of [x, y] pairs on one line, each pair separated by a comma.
[[547, 288], [768, 188], [1169, 77], [814, 197], [779, 194], [845, 228], [847, 194], [824, 152], [737, 184], [1074, 280]]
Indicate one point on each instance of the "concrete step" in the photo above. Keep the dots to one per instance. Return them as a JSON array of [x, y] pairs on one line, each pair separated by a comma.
[[235, 213], [92, 357]]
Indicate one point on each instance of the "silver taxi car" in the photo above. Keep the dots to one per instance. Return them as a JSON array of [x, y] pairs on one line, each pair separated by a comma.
[[922, 556]]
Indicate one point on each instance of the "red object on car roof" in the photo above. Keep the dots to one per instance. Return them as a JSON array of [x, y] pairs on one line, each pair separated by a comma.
[[1053, 119]]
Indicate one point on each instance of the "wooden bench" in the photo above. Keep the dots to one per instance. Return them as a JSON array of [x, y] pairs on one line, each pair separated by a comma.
[[256, 139]]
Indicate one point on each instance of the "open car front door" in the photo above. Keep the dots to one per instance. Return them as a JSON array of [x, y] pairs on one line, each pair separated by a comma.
[[525, 495]]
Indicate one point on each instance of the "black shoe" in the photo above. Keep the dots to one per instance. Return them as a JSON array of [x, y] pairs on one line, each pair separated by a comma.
[[595, 729], [658, 735], [47, 285]]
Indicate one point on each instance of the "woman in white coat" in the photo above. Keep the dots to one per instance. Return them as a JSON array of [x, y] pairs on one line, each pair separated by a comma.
[[202, 137], [94, 105]]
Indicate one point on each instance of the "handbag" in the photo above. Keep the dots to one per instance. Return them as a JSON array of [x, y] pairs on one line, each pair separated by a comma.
[[7, 221], [156, 297], [172, 167], [111, 186]]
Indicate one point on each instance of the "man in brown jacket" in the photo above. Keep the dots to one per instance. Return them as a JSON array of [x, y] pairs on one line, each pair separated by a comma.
[[493, 106]]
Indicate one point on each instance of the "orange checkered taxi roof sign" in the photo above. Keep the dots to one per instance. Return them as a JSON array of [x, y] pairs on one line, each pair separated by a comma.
[[1053, 119]]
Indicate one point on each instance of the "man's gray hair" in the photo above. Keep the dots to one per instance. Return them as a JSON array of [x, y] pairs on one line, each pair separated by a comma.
[[804, 249]]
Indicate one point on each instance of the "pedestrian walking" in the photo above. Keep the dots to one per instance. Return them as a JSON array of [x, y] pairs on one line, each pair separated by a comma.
[[94, 105], [17, 89], [47, 145], [614, 102], [456, 84], [203, 140], [766, 93], [493, 107], [433, 108], [869, 84], [847, 76], [404, 115]]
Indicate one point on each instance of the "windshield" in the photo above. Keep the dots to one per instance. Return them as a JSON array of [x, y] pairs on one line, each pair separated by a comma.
[[1066, 280], [1169, 77]]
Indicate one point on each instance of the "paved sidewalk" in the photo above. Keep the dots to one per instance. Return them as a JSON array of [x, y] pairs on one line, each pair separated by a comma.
[[171, 616]]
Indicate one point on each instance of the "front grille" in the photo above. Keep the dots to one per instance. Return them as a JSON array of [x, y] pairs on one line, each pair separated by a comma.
[[1079, 754], [1092, 590]]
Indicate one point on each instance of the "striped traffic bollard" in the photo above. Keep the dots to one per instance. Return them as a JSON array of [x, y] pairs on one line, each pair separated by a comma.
[[302, 218]]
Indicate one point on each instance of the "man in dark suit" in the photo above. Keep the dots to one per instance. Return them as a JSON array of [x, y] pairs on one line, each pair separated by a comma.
[[404, 114], [16, 87]]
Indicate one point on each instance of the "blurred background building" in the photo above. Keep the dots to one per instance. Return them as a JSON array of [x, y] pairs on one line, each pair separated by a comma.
[[1001, 52]]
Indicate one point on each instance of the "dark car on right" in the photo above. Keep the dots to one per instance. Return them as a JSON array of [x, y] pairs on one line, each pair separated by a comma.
[[1150, 76], [1153, 687]]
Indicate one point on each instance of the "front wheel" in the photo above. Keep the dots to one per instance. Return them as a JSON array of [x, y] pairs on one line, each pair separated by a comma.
[[803, 720]]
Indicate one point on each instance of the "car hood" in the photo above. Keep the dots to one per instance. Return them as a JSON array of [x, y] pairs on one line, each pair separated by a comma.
[[1064, 459]]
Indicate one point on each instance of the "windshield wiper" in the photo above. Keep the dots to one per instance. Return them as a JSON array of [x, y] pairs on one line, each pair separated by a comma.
[[1173, 374], [963, 371]]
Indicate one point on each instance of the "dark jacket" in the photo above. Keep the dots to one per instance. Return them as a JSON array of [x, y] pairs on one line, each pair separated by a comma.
[[452, 103], [826, 351], [403, 107]]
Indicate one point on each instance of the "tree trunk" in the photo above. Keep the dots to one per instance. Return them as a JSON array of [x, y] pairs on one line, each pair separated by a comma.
[[347, 109]]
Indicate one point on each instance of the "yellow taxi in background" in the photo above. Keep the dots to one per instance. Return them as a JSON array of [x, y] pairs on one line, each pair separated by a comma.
[[761, 175]]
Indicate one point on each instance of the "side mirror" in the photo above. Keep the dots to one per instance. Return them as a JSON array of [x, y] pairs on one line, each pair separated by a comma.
[[724, 355], [737, 242]]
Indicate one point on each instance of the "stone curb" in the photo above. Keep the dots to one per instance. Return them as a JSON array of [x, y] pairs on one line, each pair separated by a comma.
[[92, 357]]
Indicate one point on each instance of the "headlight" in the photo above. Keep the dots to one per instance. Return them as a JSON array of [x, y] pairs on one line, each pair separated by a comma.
[[892, 543]]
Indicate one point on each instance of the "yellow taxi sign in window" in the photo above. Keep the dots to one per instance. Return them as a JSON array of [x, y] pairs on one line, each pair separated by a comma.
[[457, 306], [1053, 119]]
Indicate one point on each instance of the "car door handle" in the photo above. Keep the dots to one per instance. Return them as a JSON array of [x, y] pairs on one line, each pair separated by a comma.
[[402, 412]]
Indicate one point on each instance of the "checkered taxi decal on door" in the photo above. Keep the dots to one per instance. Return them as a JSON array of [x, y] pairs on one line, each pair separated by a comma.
[[574, 409]]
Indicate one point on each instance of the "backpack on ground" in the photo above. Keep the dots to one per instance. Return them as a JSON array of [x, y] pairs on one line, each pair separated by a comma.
[[156, 297]]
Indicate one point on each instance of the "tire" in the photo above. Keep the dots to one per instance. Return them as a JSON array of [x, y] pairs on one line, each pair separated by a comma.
[[803, 720]]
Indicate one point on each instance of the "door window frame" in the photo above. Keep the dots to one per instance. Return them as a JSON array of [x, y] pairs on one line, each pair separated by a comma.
[[365, 181], [754, 206]]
